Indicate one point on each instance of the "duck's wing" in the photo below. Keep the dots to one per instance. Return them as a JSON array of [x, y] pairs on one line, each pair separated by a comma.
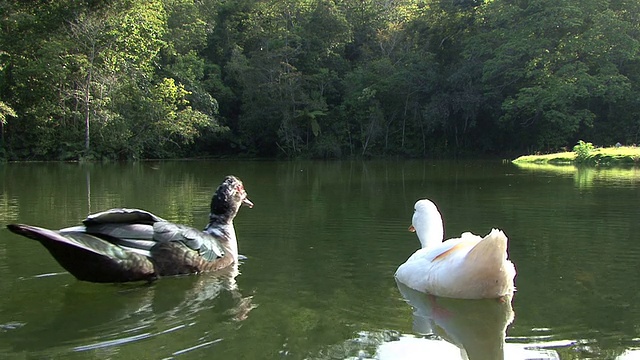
[[139, 230], [180, 249], [452, 248], [131, 229], [430, 269], [122, 216], [207, 245]]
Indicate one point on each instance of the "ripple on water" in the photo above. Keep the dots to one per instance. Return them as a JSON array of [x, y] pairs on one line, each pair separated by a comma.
[[124, 340], [569, 340], [12, 325]]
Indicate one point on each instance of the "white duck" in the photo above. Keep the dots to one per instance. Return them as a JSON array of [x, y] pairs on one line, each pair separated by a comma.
[[469, 267]]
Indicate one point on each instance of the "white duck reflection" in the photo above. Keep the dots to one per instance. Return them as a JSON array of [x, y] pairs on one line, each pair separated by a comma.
[[476, 327]]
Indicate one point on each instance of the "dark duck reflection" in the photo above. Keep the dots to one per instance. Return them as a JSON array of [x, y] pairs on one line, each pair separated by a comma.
[[121, 245], [183, 314]]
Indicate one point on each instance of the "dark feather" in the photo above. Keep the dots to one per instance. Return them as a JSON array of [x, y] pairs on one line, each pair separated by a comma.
[[122, 216], [205, 244], [119, 245], [117, 230], [89, 257]]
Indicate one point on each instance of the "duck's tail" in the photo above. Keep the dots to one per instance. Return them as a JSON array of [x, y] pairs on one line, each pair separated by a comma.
[[492, 247], [491, 261], [88, 257]]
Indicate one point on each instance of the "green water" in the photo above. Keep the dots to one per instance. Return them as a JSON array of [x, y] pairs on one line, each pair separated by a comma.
[[323, 242]]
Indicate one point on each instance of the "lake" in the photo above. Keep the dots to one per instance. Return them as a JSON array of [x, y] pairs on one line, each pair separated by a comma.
[[322, 244]]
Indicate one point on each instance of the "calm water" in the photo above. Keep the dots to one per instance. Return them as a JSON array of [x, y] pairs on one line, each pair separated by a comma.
[[323, 242]]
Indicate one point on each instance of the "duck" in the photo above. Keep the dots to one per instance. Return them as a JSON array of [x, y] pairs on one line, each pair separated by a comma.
[[125, 245], [468, 267]]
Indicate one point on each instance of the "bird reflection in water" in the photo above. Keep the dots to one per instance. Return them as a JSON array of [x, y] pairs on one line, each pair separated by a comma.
[[477, 328], [203, 292], [94, 317]]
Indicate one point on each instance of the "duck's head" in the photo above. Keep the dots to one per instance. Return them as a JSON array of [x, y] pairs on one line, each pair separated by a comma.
[[427, 223], [227, 199]]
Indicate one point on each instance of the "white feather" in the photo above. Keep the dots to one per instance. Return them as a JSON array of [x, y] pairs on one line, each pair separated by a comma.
[[468, 267]]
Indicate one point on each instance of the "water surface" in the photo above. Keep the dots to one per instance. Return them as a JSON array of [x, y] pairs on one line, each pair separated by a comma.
[[323, 242]]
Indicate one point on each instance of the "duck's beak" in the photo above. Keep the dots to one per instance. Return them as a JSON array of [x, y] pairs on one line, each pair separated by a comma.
[[247, 202], [412, 229]]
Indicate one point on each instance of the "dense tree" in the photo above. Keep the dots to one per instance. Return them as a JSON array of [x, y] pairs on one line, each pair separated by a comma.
[[558, 67], [130, 79]]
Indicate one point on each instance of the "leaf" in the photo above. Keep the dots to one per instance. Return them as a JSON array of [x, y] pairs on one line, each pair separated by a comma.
[[315, 127]]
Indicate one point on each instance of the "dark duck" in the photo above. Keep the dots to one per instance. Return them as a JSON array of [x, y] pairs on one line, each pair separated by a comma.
[[121, 245]]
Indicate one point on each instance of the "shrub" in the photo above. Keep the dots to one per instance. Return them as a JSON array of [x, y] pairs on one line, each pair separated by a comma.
[[582, 150]]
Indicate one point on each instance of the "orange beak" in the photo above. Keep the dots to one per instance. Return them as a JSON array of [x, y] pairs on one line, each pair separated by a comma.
[[412, 229]]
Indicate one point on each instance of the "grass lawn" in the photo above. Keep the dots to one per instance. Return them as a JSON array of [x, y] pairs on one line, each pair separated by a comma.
[[624, 155]]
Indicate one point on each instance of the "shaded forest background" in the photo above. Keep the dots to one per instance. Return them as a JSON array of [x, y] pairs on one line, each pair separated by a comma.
[[131, 79]]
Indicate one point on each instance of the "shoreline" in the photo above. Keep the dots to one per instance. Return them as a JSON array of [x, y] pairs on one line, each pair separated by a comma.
[[610, 156]]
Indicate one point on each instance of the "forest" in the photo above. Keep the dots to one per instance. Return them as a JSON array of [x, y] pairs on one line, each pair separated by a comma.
[[141, 79]]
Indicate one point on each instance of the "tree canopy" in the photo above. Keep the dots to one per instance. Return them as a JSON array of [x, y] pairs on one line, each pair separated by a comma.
[[130, 79]]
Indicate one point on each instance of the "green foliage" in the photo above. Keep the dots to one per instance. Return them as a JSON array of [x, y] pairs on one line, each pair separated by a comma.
[[6, 110], [164, 78], [174, 116], [583, 150]]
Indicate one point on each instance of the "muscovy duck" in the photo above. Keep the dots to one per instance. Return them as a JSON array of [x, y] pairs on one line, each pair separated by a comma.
[[122, 245]]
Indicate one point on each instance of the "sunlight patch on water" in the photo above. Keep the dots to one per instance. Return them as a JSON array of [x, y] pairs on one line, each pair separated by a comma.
[[173, 329], [43, 275], [588, 348], [631, 354], [543, 344], [409, 347], [116, 342], [12, 325], [389, 345], [126, 340], [180, 352]]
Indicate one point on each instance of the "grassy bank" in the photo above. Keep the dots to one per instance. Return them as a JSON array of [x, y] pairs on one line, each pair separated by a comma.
[[624, 155]]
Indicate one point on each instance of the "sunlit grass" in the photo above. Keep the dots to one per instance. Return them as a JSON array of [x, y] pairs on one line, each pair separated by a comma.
[[624, 155], [613, 155], [556, 158]]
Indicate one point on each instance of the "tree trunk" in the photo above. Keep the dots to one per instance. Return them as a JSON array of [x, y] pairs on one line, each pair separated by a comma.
[[87, 111]]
